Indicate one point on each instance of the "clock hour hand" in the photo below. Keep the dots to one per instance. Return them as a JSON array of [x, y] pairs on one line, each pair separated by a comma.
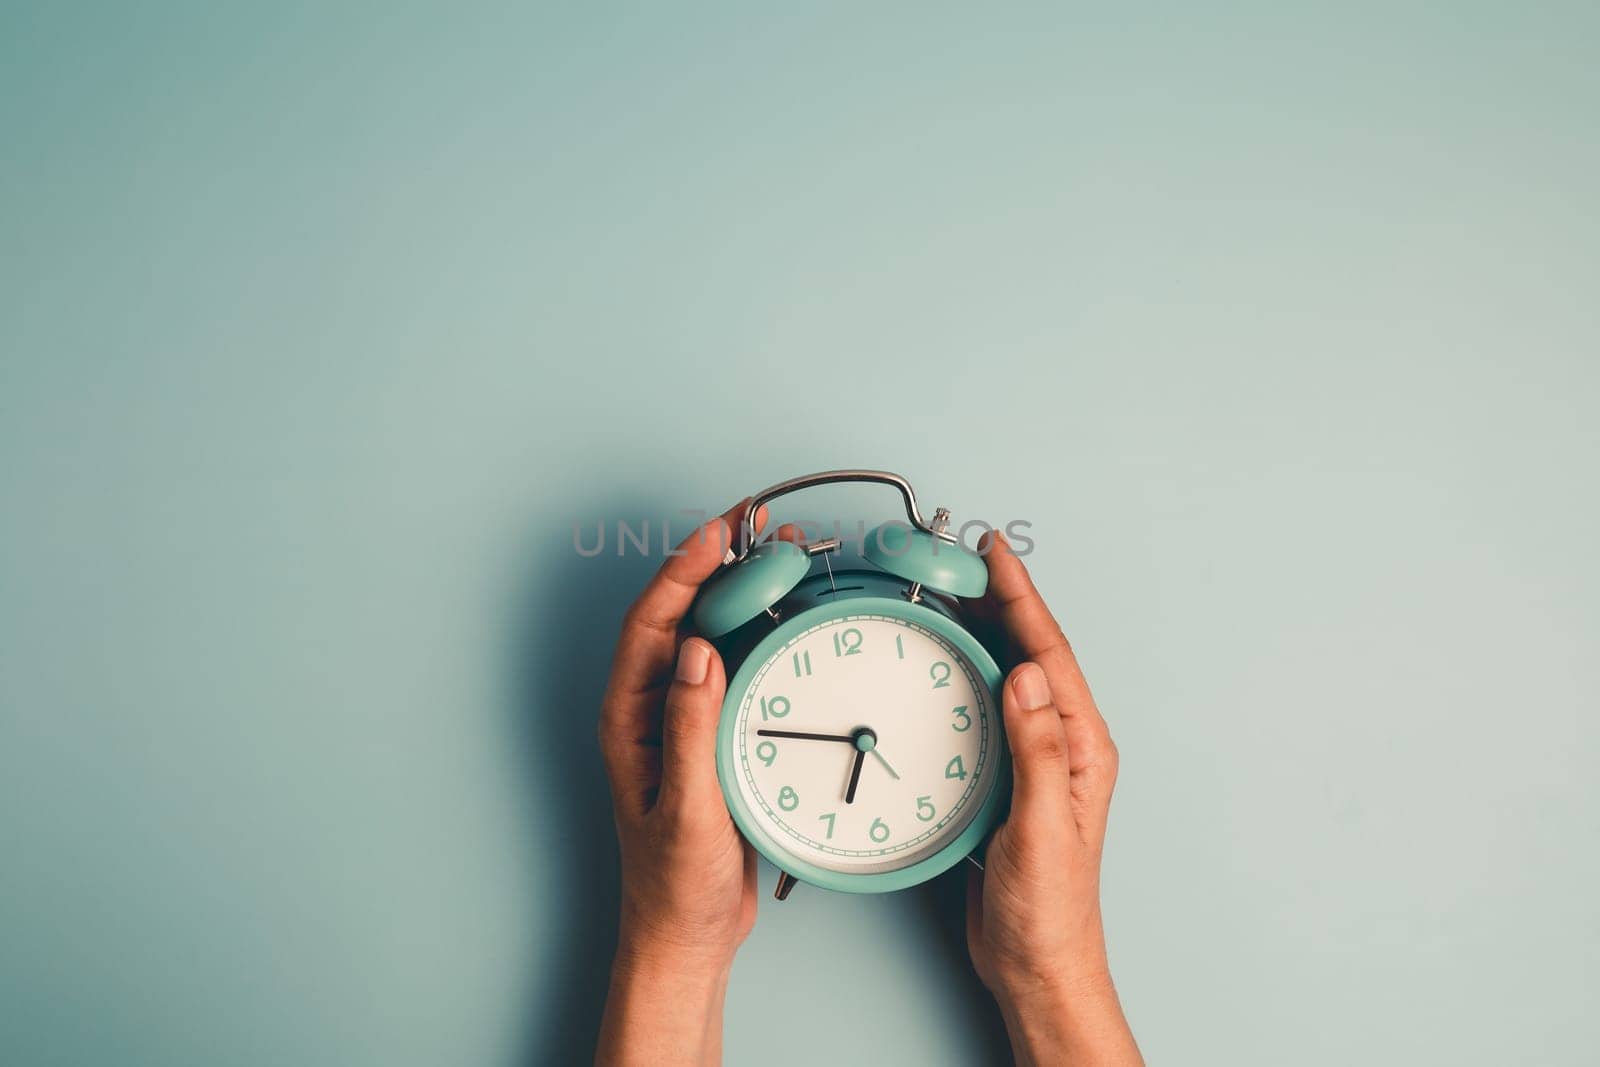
[[855, 776], [805, 736]]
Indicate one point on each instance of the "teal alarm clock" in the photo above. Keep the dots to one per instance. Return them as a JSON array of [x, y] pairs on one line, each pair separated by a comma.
[[860, 747]]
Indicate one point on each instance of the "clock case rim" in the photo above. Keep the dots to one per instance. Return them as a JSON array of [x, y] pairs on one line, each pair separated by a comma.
[[964, 844]]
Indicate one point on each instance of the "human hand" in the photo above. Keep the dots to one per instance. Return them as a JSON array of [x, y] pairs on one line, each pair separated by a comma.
[[1033, 913], [688, 878]]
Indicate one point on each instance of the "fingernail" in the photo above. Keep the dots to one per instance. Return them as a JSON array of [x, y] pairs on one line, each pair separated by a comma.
[[1032, 689], [693, 659]]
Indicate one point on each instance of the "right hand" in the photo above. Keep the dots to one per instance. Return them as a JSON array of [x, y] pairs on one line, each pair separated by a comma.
[[1033, 913]]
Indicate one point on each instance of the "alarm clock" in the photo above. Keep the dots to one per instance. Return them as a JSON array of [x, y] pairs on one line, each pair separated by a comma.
[[860, 747]]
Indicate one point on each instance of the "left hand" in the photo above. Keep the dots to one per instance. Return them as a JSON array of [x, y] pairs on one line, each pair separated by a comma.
[[688, 878]]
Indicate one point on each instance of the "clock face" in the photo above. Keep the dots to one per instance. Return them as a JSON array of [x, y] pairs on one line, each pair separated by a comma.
[[864, 744]]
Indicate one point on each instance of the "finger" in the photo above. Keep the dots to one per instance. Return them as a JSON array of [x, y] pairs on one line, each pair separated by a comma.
[[790, 532], [689, 730], [1042, 778], [650, 628], [1015, 605], [630, 716]]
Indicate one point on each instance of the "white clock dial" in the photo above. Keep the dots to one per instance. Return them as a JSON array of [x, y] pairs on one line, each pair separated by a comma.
[[881, 700]]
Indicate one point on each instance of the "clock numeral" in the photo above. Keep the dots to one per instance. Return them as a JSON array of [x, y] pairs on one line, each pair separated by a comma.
[[923, 805], [788, 799], [802, 660], [774, 707], [847, 643], [966, 720], [955, 769], [878, 831], [940, 673], [899, 646], [766, 752], [829, 818]]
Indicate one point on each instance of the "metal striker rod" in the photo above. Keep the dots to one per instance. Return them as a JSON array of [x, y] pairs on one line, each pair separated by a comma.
[[941, 519]]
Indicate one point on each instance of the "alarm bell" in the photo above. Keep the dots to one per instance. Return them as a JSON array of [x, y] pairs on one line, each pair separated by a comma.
[[925, 559], [747, 588]]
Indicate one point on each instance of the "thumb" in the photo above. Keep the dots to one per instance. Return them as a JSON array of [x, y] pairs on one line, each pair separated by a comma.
[[1043, 781], [689, 729]]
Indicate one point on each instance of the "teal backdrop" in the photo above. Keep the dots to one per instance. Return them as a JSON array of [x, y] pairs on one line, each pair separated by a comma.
[[322, 324]]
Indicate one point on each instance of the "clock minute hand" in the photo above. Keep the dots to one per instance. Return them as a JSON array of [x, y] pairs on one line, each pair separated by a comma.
[[805, 736]]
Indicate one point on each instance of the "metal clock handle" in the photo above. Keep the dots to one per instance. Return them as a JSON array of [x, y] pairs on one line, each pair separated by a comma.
[[809, 481]]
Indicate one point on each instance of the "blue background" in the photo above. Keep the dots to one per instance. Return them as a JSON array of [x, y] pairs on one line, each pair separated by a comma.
[[321, 325]]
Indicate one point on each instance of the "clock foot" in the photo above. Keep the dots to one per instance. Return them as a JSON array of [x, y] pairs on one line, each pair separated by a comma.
[[975, 861], [786, 882]]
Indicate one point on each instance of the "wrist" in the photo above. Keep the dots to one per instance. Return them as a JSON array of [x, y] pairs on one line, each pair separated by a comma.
[[1050, 968], [664, 1006], [645, 950], [643, 962], [1074, 1019], [1028, 997]]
